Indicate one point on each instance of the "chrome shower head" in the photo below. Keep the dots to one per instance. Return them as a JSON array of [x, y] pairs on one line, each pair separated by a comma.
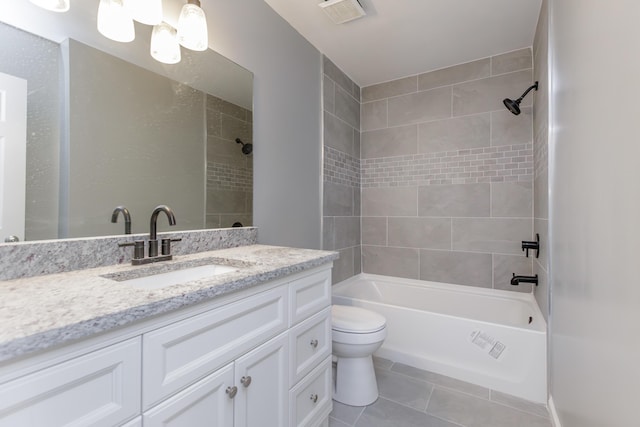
[[514, 106]]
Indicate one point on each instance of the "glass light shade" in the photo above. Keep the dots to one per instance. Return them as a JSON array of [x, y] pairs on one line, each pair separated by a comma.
[[115, 22], [53, 5], [164, 44], [192, 27], [148, 12]]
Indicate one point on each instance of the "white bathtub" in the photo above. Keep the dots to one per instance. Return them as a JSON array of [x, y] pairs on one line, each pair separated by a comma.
[[492, 338]]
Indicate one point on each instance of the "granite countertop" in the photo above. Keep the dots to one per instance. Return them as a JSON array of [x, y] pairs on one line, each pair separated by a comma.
[[41, 312]]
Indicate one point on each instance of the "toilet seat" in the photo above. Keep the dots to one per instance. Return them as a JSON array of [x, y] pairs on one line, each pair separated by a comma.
[[355, 320]]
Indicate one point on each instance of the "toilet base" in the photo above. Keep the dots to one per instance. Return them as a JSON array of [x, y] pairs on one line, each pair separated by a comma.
[[355, 381]]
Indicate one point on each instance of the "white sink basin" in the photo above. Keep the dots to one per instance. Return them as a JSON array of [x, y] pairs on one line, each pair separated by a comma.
[[162, 280]]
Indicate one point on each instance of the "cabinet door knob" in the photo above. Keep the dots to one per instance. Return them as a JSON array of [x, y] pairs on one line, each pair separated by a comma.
[[314, 343], [314, 398], [246, 381], [232, 391]]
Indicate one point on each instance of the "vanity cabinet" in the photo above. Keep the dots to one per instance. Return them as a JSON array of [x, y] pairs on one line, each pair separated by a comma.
[[100, 389], [263, 360]]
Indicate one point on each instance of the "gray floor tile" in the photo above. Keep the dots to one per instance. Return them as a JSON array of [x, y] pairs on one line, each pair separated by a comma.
[[404, 390], [441, 380], [336, 423], [345, 413], [384, 413], [523, 405], [381, 363], [471, 411]]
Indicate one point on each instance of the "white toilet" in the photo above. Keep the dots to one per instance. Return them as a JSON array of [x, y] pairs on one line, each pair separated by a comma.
[[356, 334]]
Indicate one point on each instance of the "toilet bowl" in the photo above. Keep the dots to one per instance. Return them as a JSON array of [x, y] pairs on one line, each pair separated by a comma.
[[356, 333]]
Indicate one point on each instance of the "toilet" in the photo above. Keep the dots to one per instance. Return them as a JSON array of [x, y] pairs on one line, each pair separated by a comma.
[[356, 333]]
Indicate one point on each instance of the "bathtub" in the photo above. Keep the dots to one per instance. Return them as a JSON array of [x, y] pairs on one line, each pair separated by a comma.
[[493, 338]]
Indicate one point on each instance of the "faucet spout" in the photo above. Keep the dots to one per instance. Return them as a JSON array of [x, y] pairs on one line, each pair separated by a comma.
[[153, 235], [516, 280], [125, 214]]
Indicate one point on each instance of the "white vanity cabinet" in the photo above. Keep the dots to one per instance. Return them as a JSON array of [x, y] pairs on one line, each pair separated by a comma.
[[98, 389], [262, 360]]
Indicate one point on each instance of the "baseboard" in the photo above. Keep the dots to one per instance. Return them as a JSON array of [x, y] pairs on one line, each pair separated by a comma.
[[554, 414]]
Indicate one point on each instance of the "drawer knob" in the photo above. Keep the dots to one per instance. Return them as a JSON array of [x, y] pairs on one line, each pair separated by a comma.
[[314, 343], [246, 381], [314, 398], [232, 391]]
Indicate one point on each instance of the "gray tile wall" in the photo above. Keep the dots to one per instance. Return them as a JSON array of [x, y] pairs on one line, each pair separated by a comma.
[[341, 170], [447, 174], [541, 158], [229, 171]]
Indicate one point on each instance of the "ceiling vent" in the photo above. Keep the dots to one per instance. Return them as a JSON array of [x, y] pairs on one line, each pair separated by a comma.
[[341, 11]]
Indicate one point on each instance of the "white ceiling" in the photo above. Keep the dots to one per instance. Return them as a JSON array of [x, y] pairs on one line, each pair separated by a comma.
[[399, 38]]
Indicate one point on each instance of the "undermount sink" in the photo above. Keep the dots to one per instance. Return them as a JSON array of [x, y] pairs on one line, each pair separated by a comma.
[[162, 280]]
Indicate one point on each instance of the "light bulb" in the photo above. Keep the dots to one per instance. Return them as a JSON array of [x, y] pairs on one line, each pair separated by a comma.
[[164, 44], [192, 27], [148, 12], [53, 5], [114, 21]]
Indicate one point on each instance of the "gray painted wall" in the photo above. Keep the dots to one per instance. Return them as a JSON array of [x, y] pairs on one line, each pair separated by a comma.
[[594, 212], [287, 117]]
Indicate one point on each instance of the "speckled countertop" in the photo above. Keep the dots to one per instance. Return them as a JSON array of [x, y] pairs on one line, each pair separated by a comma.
[[45, 311]]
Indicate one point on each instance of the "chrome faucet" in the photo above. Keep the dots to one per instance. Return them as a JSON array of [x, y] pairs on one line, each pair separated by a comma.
[[125, 214], [153, 238]]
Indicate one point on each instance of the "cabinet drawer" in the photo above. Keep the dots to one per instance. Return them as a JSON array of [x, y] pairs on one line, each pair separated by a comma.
[[310, 343], [309, 295], [206, 403], [311, 398], [180, 354], [101, 388]]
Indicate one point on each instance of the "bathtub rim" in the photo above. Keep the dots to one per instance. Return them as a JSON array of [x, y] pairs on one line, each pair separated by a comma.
[[538, 325]]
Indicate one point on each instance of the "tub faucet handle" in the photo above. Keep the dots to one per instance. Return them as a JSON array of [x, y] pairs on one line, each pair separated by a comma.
[[533, 245]]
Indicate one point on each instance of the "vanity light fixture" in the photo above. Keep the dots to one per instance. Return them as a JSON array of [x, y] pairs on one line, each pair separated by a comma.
[[148, 12], [192, 27], [114, 21], [53, 5], [164, 44]]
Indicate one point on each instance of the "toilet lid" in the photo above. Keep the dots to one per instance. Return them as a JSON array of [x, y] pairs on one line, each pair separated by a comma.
[[355, 319]]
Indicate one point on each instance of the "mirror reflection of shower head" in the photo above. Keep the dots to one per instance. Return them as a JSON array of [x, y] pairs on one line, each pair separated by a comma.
[[246, 148], [514, 106]]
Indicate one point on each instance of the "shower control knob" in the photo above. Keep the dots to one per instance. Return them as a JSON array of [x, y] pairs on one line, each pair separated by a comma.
[[314, 343], [232, 391], [246, 381], [314, 398]]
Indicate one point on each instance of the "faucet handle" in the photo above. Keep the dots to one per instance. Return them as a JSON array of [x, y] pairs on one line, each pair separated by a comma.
[[138, 248], [166, 245]]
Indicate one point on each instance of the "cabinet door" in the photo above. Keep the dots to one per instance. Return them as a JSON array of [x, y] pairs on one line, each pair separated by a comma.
[[262, 380], [101, 388], [205, 404]]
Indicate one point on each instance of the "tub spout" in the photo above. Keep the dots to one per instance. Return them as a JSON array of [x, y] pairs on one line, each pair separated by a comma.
[[516, 280]]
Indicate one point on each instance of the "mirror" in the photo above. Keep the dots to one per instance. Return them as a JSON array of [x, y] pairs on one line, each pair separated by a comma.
[[107, 125]]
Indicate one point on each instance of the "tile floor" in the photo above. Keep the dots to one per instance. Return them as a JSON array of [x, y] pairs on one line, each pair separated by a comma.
[[411, 397]]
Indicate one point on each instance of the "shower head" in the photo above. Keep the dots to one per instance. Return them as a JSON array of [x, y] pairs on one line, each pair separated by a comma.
[[514, 106], [246, 148]]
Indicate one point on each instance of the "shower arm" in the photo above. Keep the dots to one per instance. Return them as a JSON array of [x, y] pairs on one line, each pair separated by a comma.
[[533, 86]]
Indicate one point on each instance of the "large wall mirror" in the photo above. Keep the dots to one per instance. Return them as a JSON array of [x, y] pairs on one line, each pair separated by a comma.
[[107, 126]]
